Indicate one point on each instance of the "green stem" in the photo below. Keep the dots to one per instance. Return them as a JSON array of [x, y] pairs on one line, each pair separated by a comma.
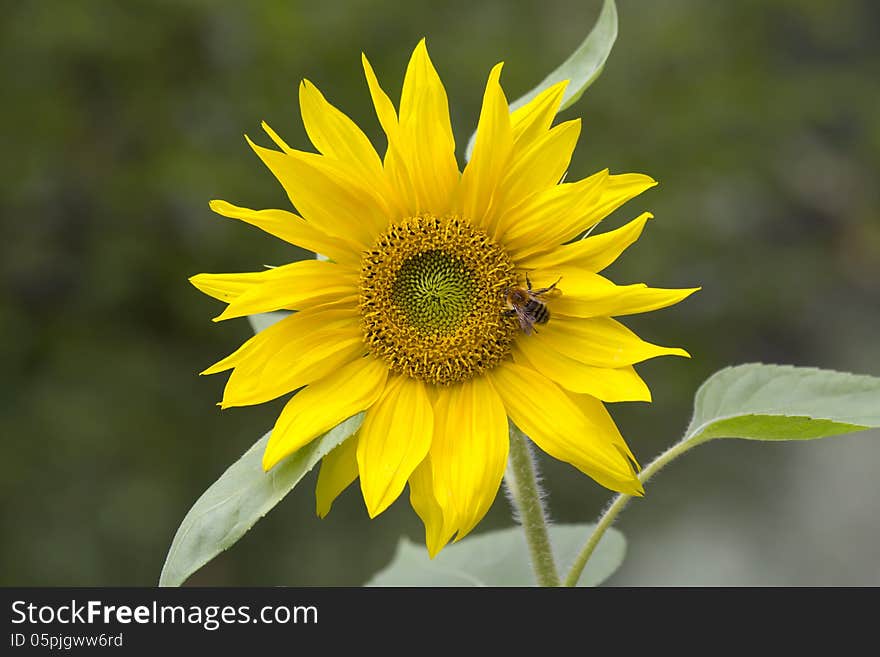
[[522, 482], [618, 505]]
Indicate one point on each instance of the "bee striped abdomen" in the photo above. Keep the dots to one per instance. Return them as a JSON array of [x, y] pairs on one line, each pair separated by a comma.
[[537, 311]]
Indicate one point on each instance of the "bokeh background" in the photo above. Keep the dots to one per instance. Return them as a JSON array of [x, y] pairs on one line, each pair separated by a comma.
[[120, 121]]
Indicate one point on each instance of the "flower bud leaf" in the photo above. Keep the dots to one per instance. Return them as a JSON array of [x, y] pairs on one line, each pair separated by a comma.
[[582, 67], [239, 498]]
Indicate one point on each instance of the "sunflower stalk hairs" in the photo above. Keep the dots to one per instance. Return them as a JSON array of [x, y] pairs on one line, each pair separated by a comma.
[[457, 320]]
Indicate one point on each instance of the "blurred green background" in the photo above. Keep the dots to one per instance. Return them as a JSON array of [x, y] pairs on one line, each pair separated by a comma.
[[122, 119]]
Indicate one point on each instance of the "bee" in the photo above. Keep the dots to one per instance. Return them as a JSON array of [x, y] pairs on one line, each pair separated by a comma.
[[527, 305]]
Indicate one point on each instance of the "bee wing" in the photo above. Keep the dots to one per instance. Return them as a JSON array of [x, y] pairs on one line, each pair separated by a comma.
[[525, 320]]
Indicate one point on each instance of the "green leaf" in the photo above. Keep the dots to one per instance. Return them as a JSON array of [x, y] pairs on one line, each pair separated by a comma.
[[262, 321], [240, 497], [499, 558], [781, 402], [582, 67]]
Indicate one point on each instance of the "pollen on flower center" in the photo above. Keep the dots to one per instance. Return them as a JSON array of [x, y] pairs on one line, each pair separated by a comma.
[[431, 299]]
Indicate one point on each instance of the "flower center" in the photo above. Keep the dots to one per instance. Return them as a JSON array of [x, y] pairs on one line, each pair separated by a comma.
[[432, 301]]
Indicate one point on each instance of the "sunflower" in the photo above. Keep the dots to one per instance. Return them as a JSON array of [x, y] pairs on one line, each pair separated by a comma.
[[447, 303]]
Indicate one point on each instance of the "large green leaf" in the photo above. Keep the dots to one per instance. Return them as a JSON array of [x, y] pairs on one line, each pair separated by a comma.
[[240, 497], [582, 67], [781, 402], [499, 558]]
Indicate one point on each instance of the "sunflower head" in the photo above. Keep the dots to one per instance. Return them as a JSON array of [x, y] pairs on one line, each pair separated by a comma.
[[431, 299], [452, 301]]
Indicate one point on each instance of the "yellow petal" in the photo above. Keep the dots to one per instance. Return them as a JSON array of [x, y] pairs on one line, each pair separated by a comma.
[[315, 343], [421, 497], [314, 357], [593, 408], [397, 170], [336, 135], [535, 169], [296, 286], [423, 92], [547, 217], [327, 195], [394, 438], [592, 253], [260, 346], [421, 152], [533, 119], [619, 189], [292, 229], [228, 287], [623, 300], [585, 294], [265, 344], [469, 451], [384, 107], [491, 154], [279, 142], [596, 411], [321, 406], [543, 231], [338, 470], [599, 341], [610, 385], [555, 423], [395, 162]]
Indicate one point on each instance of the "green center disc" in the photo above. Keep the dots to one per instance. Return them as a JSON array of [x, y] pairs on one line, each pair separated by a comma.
[[435, 291]]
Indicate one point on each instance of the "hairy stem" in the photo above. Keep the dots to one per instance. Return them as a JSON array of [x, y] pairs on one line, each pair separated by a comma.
[[522, 482], [617, 506]]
